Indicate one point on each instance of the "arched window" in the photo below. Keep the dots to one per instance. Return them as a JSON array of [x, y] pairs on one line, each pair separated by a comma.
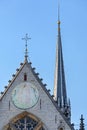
[[25, 121]]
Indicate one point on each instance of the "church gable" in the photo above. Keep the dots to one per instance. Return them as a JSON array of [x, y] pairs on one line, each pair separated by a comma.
[[38, 102]]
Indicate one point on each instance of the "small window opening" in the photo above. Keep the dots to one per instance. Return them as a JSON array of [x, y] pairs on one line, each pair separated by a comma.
[[25, 77], [61, 128]]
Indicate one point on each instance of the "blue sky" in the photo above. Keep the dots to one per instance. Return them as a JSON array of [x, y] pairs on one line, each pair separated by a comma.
[[39, 20]]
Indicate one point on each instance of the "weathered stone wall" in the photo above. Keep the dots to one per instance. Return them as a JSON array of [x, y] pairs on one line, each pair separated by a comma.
[[44, 109]]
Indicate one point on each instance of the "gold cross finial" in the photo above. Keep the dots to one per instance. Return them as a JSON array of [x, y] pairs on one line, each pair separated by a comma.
[[26, 38]]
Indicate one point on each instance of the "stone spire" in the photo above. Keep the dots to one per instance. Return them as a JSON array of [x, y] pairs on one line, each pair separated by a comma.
[[60, 94], [82, 123]]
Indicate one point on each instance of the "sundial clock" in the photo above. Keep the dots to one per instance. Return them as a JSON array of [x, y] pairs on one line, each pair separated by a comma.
[[25, 95]]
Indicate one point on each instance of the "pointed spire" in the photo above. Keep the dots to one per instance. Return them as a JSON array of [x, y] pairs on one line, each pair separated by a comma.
[[26, 38], [82, 123], [60, 94], [59, 84]]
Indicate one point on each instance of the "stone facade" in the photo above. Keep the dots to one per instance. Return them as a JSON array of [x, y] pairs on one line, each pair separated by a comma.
[[45, 110]]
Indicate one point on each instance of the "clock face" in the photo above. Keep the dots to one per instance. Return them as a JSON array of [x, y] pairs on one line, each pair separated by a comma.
[[25, 95]]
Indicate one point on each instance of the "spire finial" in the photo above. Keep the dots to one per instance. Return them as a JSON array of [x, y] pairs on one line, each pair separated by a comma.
[[58, 14], [82, 123], [58, 10], [26, 38]]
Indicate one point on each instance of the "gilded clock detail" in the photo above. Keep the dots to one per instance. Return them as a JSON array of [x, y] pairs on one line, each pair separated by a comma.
[[25, 95]]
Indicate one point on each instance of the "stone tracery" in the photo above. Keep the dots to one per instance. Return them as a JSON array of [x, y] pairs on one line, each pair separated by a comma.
[[25, 121]]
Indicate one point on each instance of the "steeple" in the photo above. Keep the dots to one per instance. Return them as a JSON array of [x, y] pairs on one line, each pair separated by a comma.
[[60, 94]]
